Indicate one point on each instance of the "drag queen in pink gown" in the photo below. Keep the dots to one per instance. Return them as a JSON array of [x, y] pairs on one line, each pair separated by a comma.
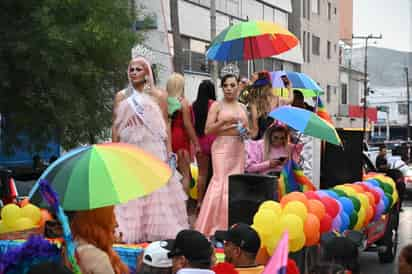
[[139, 118], [225, 119]]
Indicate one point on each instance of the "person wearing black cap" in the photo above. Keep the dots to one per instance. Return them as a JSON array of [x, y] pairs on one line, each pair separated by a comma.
[[191, 253], [242, 244]]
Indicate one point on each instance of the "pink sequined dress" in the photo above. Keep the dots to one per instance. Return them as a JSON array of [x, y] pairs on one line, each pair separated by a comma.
[[161, 214]]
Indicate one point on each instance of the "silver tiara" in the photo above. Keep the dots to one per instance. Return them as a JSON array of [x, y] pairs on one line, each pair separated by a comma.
[[141, 51], [230, 68]]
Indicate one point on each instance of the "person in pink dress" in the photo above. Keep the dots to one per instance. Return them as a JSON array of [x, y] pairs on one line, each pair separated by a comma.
[[206, 96], [140, 115], [227, 119], [272, 152]]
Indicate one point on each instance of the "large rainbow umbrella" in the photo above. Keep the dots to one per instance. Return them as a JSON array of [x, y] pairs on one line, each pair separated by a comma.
[[102, 175], [251, 40], [307, 123]]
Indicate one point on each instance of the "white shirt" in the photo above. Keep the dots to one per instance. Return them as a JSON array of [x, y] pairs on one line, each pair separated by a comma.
[[195, 271]]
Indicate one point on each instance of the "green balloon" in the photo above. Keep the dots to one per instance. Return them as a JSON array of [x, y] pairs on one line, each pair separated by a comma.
[[387, 188], [340, 193], [390, 199], [356, 203], [353, 220]]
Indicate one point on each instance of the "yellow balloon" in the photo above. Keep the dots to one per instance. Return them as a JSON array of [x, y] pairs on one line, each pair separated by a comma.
[[297, 244], [395, 196], [32, 212], [4, 228], [272, 243], [10, 213], [296, 208], [293, 224], [272, 205], [364, 200], [361, 218], [23, 224], [194, 170], [266, 221]]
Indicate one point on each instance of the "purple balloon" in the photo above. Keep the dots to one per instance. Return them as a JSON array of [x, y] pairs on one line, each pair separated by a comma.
[[380, 191], [322, 193], [380, 208], [337, 223]]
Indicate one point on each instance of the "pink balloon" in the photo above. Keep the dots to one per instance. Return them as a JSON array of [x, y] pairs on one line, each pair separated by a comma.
[[311, 195]]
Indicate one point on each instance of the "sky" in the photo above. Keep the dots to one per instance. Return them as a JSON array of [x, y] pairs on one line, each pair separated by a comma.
[[391, 18]]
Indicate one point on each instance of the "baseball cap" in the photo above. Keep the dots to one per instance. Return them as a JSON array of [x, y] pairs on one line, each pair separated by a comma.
[[193, 245], [155, 254], [241, 235]]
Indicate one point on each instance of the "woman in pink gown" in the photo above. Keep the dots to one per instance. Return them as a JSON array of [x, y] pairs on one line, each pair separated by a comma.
[[140, 114], [228, 157]]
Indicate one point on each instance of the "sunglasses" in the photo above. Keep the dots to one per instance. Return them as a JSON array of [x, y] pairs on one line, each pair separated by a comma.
[[137, 69], [231, 85]]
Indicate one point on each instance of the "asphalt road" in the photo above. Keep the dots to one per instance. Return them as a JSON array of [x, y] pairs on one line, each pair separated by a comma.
[[369, 260]]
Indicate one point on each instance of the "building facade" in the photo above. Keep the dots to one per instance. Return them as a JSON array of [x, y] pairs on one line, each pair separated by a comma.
[[316, 24], [194, 23]]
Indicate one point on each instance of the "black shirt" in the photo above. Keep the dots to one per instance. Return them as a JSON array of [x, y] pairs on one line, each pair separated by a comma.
[[381, 163]]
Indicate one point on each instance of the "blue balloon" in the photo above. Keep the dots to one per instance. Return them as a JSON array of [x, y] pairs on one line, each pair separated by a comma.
[[347, 205], [332, 194], [386, 202], [345, 221], [373, 182]]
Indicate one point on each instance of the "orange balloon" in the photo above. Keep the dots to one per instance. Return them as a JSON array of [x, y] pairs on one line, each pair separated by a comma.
[[371, 198], [263, 257], [313, 239], [24, 202], [316, 208], [45, 216], [294, 196], [311, 226], [356, 188]]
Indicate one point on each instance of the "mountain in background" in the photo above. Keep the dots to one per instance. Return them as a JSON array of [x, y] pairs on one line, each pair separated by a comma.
[[385, 66]]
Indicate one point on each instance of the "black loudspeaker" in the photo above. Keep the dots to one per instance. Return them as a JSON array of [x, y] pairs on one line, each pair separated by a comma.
[[246, 193]]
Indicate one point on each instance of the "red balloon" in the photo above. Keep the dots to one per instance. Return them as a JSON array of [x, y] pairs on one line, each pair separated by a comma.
[[311, 195], [331, 206], [326, 223], [376, 195]]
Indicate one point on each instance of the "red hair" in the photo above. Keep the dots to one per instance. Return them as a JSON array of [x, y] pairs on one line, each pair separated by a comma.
[[96, 226]]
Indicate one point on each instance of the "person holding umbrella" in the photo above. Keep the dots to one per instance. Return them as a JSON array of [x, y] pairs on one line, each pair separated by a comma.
[[140, 118], [262, 101]]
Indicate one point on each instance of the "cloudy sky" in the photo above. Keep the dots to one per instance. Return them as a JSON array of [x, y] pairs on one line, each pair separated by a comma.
[[392, 19]]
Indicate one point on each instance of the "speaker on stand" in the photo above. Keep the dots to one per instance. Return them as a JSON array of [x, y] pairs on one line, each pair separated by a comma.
[[246, 193]]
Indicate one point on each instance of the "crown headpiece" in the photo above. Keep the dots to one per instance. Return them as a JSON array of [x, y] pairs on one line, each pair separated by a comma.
[[230, 69], [141, 51]]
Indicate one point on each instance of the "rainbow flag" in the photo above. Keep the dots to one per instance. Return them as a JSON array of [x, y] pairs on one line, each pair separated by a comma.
[[292, 179], [279, 261], [322, 112]]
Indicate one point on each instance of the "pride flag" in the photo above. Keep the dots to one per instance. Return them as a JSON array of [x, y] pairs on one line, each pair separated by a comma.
[[279, 261], [322, 112], [292, 179]]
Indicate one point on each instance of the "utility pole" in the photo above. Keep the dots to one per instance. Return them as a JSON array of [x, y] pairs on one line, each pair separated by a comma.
[[408, 123], [365, 80], [214, 69]]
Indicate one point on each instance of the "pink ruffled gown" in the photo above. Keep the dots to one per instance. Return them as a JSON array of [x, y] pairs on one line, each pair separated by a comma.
[[228, 157], [161, 214]]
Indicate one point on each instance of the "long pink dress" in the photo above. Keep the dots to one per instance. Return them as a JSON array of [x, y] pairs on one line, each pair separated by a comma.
[[228, 157], [161, 214]]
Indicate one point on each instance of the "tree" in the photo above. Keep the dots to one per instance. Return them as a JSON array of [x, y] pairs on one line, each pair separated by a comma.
[[177, 39], [60, 64]]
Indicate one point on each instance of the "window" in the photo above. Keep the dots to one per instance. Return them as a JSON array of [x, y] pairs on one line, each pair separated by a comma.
[[315, 6], [254, 10], [315, 45], [233, 7], [308, 47], [304, 8], [221, 5], [268, 14], [329, 46], [304, 45], [336, 11], [403, 109], [281, 18], [194, 55], [344, 94], [328, 88], [329, 11], [205, 3]]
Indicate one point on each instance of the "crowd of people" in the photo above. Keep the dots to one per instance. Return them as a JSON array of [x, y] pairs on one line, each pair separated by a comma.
[[232, 135]]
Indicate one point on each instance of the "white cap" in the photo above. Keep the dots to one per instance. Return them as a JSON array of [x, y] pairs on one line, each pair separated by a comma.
[[155, 254]]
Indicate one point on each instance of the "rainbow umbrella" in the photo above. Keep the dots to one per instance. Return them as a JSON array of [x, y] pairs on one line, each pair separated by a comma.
[[307, 123], [300, 81], [102, 175], [251, 40]]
